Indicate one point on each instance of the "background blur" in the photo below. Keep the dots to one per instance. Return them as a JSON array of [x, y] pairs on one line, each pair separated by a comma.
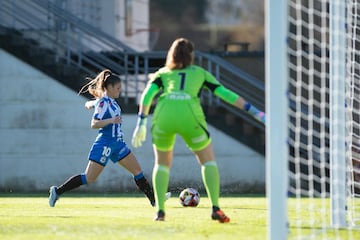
[[48, 47], [210, 24]]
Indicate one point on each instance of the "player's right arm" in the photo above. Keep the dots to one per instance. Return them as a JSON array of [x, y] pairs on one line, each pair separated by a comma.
[[147, 97], [91, 103]]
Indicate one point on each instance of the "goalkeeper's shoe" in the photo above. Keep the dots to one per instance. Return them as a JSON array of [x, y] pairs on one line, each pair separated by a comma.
[[53, 197], [220, 216], [160, 216]]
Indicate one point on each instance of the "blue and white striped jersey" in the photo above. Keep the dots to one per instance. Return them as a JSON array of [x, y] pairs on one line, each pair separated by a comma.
[[106, 108]]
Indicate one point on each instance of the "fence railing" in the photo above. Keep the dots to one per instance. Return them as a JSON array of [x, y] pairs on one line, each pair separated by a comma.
[[77, 43]]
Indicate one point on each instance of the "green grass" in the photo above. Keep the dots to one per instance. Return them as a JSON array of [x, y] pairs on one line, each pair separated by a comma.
[[79, 216]]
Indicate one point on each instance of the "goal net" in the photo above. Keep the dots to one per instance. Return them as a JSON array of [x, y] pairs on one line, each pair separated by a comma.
[[323, 119]]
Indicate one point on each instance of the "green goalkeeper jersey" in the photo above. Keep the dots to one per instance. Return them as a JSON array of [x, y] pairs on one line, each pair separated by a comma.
[[178, 109]]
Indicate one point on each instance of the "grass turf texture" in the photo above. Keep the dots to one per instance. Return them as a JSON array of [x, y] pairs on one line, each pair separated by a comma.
[[80, 216]]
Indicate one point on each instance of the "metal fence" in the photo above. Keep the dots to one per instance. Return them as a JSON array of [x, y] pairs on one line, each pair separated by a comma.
[[78, 44]]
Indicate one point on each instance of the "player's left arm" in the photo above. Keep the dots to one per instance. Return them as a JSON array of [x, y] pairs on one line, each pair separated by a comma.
[[100, 123], [98, 120], [234, 99]]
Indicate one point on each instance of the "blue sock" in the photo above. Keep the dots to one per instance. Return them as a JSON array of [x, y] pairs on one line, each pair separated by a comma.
[[83, 179], [140, 175]]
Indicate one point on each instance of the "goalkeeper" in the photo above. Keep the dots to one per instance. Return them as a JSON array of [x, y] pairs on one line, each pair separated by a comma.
[[178, 111]]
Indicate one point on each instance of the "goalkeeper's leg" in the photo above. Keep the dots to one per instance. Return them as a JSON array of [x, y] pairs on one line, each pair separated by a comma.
[[210, 177], [160, 183], [161, 174], [211, 180]]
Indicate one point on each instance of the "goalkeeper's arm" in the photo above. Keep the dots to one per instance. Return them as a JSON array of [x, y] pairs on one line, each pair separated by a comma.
[[148, 95], [234, 99]]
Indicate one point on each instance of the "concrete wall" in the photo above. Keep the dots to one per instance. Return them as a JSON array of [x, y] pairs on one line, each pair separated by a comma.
[[45, 137], [110, 16]]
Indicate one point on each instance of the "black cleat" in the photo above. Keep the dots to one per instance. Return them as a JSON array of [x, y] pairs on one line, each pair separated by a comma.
[[220, 216], [160, 216]]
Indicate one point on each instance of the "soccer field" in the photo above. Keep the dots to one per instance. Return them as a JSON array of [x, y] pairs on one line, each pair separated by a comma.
[[80, 216]]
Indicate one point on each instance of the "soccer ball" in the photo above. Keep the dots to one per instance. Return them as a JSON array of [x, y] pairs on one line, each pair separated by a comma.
[[189, 197]]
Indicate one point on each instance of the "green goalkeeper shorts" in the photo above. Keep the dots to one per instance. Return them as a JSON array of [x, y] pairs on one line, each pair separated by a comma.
[[183, 117]]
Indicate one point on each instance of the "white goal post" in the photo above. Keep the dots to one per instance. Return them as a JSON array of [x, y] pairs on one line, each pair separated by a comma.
[[313, 118], [276, 123]]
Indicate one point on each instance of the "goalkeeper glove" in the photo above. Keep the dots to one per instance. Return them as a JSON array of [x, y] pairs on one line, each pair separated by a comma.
[[256, 113], [139, 134]]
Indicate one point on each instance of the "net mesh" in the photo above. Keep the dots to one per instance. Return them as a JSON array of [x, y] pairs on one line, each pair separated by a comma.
[[353, 109], [309, 115]]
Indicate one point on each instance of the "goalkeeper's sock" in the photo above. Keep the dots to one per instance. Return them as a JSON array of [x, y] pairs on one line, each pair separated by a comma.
[[160, 182], [211, 180], [72, 183], [215, 208], [145, 187]]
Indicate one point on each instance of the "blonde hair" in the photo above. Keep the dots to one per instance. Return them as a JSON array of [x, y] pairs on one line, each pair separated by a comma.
[[97, 86], [180, 54]]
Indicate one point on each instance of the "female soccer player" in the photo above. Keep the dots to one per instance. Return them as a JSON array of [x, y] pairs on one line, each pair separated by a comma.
[[178, 111], [109, 143]]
